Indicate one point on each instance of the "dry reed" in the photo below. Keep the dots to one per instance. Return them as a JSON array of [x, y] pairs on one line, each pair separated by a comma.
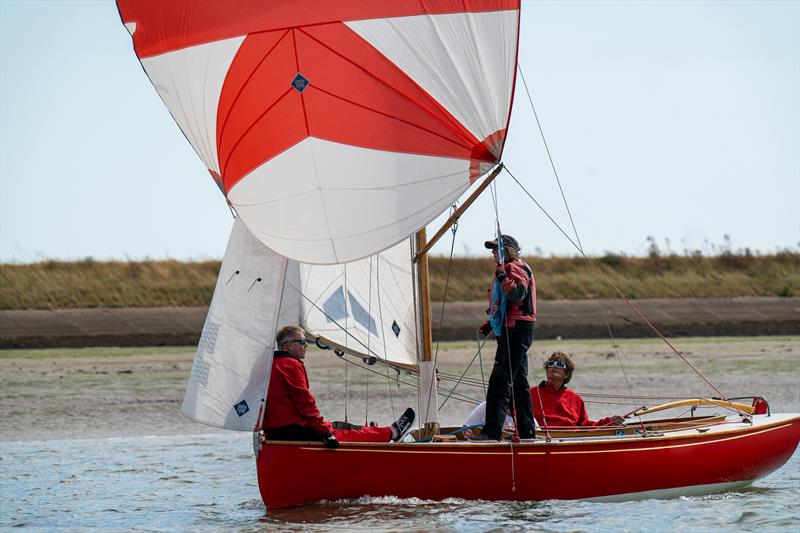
[[90, 283]]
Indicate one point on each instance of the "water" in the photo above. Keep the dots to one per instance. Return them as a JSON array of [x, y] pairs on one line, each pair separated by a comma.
[[208, 483]]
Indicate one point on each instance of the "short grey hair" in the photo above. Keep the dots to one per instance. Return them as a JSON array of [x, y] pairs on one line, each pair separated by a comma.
[[287, 332]]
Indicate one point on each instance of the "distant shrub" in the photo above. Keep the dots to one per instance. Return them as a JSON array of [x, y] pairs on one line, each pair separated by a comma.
[[611, 259]]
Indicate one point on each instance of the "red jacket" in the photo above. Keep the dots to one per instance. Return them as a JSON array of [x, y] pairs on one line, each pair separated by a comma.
[[515, 287], [561, 407], [288, 399]]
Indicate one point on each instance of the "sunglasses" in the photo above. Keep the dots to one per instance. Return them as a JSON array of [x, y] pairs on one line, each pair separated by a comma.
[[556, 364], [303, 342]]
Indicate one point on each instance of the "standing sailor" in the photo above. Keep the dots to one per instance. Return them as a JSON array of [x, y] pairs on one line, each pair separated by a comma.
[[512, 300]]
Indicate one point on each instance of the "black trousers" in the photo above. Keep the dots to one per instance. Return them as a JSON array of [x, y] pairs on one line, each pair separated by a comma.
[[510, 367]]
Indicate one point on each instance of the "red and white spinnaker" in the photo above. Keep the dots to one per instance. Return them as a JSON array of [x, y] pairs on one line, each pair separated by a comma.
[[334, 128]]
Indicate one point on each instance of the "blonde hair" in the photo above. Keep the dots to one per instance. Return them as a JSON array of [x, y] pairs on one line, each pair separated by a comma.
[[564, 358], [287, 332]]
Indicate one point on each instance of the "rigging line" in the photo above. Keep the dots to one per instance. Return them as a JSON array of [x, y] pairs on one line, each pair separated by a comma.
[[383, 337], [501, 257], [346, 333], [550, 157], [622, 396], [455, 396], [480, 360], [446, 376], [572, 221], [369, 338], [634, 403], [453, 230], [619, 292], [458, 382]]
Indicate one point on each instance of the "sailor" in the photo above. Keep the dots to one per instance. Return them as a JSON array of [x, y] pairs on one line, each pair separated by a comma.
[[563, 407], [292, 413], [510, 371]]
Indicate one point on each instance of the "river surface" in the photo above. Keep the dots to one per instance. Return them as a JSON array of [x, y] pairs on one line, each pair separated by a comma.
[[208, 483]]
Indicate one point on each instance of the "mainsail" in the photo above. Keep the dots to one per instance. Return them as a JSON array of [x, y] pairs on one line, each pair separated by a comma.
[[309, 111]]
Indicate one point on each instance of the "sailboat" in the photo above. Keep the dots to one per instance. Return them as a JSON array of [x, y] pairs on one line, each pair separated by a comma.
[[337, 131]]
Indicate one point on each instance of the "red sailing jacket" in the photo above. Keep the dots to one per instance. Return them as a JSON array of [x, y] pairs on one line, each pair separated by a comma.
[[288, 399], [561, 407], [515, 287]]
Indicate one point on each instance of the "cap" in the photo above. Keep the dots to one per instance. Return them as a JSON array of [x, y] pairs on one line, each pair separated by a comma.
[[508, 240]]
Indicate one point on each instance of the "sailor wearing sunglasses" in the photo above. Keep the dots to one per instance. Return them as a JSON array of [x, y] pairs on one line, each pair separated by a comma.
[[292, 412], [561, 406]]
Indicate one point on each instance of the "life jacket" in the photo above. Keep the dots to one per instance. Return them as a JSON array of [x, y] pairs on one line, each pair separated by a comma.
[[519, 289]]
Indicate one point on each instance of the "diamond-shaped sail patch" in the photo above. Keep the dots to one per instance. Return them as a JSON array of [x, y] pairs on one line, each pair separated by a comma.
[[300, 83], [395, 328], [241, 408]]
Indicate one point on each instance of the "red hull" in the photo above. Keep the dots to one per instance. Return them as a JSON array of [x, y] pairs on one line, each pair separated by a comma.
[[297, 473]]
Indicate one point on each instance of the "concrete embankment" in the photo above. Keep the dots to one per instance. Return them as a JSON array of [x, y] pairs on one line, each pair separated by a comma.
[[556, 318]]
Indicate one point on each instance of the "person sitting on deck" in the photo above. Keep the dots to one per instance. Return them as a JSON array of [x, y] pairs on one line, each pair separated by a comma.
[[478, 418], [292, 413], [562, 407]]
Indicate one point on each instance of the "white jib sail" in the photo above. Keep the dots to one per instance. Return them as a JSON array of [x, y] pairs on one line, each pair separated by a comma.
[[234, 356]]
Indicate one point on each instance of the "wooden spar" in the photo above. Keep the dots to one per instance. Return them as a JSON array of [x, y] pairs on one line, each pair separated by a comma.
[[699, 402], [427, 372], [424, 297], [423, 250]]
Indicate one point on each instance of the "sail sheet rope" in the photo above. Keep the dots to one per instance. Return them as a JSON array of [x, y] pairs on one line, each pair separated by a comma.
[[575, 231], [619, 292], [578, 245], [453, 231]]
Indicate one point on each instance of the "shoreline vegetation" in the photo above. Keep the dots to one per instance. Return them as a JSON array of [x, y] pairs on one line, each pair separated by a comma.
[[90, 283]]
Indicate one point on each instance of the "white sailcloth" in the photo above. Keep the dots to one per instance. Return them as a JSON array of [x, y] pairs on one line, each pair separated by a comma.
[[234, 356], [366, 307]]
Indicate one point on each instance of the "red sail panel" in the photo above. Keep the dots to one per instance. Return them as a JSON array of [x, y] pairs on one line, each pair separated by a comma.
[[175, 24]]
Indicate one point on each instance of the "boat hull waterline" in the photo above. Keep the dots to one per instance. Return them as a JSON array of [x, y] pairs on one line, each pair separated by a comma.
[[685, 463]]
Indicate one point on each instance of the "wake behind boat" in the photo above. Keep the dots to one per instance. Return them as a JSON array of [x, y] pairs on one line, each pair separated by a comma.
[[337, 131]]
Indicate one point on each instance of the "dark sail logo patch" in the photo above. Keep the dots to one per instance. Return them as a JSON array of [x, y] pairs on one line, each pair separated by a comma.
[[241, 408]]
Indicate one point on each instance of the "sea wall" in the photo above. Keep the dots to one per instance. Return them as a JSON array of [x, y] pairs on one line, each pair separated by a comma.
[[555, 318]]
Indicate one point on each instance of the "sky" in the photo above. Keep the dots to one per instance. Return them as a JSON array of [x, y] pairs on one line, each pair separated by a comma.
[[674, 120]]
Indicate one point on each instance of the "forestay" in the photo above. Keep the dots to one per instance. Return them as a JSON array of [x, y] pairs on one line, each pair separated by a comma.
[[335, 128], [366, 306]]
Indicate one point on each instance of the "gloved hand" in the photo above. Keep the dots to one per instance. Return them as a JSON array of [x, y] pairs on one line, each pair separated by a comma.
[[500, 273], [485, 328], [330, 441]]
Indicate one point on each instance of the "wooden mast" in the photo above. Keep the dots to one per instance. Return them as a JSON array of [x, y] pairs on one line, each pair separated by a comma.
[[426, 354], [424, 298], [424, 293]]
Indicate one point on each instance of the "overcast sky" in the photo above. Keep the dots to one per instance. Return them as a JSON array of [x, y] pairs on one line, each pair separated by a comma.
[[677, 120]]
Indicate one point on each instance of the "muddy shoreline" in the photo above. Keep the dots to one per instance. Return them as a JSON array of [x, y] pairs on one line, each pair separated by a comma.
[[118, 392]]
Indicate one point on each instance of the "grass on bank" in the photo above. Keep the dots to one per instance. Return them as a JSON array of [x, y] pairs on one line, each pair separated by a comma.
[[91, 284]]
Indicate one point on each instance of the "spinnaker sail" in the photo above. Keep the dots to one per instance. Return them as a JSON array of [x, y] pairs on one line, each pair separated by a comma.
[[306, 110]]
